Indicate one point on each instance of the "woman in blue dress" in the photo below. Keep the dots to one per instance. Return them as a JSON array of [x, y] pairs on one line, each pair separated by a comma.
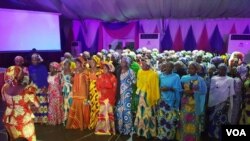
[[38, 75], [192, 104], [123, 108], [168, 105]]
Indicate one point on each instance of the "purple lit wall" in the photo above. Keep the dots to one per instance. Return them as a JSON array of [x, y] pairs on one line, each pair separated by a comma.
[[24, 30]]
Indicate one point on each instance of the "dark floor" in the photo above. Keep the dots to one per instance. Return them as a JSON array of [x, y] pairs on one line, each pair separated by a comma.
[[59, 133]]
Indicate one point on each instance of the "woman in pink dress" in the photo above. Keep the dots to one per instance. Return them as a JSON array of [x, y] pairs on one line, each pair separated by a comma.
[[55, 115]]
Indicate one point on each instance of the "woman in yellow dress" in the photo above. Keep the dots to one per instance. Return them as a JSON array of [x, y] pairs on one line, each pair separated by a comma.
[[94, 73], [148, 90]]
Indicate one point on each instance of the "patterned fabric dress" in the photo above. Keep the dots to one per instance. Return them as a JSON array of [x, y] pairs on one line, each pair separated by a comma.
[[192, 107], [79, 110], [220, 104], [245, 115], [168, 107], [148, 90], [94, 99], [38, 75], [18, 117], [67, 94], [55, 114], [123, 107], [106, 84]]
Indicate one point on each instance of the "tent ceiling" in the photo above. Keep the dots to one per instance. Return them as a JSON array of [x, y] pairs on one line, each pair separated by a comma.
[[124, 10]]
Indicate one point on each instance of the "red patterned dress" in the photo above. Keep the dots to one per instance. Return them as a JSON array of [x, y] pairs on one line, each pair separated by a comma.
[[55, 115], [106, 84], [18, 117]]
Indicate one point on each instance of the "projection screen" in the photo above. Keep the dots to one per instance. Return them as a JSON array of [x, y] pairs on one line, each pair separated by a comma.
[[22, 30]]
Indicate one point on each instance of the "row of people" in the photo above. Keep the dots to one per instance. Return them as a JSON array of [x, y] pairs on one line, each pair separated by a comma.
[[165, 101]]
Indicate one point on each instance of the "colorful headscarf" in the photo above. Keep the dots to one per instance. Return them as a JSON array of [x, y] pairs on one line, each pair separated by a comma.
[[19, 58], [56, 66], [110, 66], [37, 56], [97, 60], [11, 74], [127, 60], [68, 55]]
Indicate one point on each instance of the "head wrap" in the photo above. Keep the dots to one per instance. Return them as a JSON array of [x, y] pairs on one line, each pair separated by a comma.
[[127, 60], [56, 66], [11, 74], [116, 55], [110, 66], [195, 64], [222, 65], [97, 60], [37, 56], [19, 58], [86, 54], [67, 54]]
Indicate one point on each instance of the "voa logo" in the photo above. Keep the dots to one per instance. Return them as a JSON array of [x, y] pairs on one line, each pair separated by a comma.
[[236, 132]]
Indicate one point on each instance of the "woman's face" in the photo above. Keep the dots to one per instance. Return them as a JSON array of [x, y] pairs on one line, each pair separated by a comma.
[[167, 68], [192, 70], [211, 71], [222, 71], [92, 63], [34, 61], [105, 69], [78, 64], [18, 62], [124, 63], [145, 65], [67, 65]]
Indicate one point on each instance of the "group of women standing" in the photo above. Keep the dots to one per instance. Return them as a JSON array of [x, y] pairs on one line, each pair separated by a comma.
[[125, 97]]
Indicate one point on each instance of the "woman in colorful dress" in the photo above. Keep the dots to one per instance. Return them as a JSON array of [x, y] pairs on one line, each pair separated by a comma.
[[192, 104], [38, 75], [123, 107], [169, 103], [18, 117], [106, 84], [79, 110], [149, 93], [220, 102], [94, 95], [55, 112], [19, 61], [66, 89], [245, 115]]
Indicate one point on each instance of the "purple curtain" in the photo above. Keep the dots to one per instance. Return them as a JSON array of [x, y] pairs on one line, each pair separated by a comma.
[[246, 31], [190, 43], [166, 42], [216, 42]]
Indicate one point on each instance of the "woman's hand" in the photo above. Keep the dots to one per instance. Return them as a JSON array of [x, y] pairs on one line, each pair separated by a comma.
[[188, 91], [166, 89]]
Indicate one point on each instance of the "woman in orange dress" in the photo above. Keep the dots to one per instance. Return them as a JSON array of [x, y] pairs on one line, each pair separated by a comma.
[[79, 110], [106, 84], [18, 117]]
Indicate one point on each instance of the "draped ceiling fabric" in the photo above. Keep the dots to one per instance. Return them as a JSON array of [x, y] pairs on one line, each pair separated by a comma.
[[125, 10], [182, 24]]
